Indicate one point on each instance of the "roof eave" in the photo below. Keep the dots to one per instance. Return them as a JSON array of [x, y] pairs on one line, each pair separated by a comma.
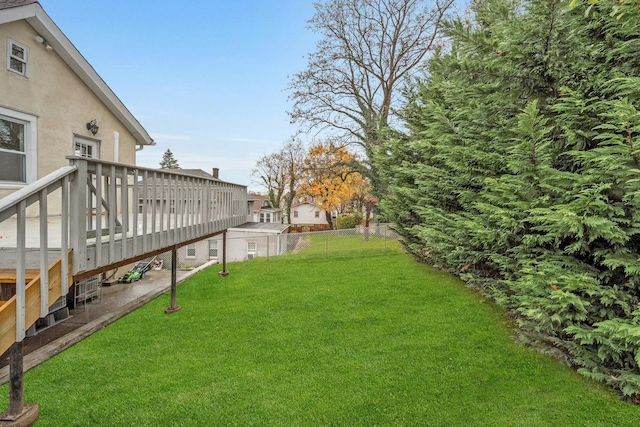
[[35, 15]]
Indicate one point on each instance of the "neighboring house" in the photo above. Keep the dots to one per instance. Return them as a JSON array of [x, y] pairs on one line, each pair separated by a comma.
[[263, 235], [256, 239], [53, 104], [308, 216], [262, 210]]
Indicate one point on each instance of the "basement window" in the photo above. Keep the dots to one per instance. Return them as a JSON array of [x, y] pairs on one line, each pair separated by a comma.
[[191, 250], [213, 249], [252, 248]]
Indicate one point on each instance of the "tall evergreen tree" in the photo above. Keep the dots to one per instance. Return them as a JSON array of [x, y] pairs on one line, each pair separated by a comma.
[[168, 161], [520, 173]]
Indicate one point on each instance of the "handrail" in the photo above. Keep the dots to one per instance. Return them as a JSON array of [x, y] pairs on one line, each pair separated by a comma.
[[145, 211], [130, 211], [30, 193], [110, 214], [17, 204]]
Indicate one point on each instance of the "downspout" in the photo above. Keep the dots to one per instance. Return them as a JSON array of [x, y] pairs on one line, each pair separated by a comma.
[[116, 147]]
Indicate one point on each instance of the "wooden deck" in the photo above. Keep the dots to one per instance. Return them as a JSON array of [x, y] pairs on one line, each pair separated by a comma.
[[8, 275], [33, 291]]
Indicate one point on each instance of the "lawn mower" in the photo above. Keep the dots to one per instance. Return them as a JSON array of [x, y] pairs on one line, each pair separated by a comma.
[[138, 271]]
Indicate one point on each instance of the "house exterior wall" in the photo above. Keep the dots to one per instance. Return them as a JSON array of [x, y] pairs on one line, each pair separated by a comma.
[[60, 101], [201, 254], [307, 215], [266, 245]]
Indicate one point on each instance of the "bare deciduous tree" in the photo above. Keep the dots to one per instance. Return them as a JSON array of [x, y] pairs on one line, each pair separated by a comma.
[[367, 48], [279, 173], [269, 173]]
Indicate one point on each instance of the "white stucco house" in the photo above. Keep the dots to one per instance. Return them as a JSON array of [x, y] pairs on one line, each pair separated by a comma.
[[53, 104]]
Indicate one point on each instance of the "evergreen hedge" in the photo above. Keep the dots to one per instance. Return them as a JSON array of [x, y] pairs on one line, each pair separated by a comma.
[[520, 172]]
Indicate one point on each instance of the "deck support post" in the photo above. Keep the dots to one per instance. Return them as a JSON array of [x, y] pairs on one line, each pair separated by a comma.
[[16, 386], [18, 414], [173, 307], [224, 272]]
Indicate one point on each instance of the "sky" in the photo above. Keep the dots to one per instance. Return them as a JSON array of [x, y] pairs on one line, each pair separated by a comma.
[[207, 79]]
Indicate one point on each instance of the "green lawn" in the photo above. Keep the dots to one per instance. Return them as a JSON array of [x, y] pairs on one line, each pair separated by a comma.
[[348, 340]]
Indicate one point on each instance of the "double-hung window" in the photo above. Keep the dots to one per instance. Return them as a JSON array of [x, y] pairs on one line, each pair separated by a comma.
[[18, 58], [18, 138]]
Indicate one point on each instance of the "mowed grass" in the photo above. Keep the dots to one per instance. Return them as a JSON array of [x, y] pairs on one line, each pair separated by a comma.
[[348, 340]]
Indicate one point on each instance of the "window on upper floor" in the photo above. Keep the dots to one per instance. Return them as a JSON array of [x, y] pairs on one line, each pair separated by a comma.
[[317, 214], [295, 214], [18, 137], [265, 217], [17, 58]]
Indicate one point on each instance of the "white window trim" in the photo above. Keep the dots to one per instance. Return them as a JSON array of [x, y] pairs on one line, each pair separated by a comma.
[[31, 146], [255, 244], [216, 248], [191, 246], [96, 145], [25, 60]]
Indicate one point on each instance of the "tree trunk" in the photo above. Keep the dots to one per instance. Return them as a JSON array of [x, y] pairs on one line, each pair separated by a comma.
[[329, 219]]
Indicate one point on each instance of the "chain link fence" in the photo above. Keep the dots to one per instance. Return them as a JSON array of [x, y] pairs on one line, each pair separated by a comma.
[[358, 241]]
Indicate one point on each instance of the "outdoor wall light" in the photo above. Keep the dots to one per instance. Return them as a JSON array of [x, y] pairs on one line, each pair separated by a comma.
[[92, 126], [43, 41]]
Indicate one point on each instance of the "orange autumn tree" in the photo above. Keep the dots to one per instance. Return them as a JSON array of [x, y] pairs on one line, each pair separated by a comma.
[[328, 177]]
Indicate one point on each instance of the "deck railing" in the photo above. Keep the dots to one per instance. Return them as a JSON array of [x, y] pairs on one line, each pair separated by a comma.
[[131, 211], [15, 206], [107, 214]]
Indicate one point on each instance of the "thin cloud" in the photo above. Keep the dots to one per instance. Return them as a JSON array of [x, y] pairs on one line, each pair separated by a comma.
[[250, 140], [170, 137]]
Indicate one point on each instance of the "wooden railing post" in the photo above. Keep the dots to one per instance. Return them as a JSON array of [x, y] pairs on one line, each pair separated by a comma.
[[78, 215]]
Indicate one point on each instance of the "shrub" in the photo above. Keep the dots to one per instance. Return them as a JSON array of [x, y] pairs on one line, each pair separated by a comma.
[[348, 220]]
